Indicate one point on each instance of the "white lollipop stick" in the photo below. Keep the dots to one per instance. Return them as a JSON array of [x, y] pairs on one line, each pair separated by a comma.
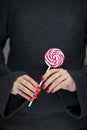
[[54, 57], [40, 86]]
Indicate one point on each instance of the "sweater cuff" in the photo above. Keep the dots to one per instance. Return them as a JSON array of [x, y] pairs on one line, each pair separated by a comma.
[[6, 84], [14, 102], [75, 103]]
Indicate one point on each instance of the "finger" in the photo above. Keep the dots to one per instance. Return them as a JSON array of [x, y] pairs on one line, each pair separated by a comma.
[[52, 77], [26, 91], [50, 80], [14, 89], [25, 95], [55, 79], [28, 85], [69, 85], [47, 74], [29, 79], [63, 85], [55, 83]]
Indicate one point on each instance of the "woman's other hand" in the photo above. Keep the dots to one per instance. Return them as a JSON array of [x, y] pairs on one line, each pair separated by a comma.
[[26, 87]]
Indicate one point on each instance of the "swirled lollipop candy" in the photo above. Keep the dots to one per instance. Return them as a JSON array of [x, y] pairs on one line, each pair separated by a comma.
[[53, 58]]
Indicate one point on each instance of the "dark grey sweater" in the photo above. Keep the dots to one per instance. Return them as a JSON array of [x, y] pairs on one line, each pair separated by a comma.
[[34, 26]]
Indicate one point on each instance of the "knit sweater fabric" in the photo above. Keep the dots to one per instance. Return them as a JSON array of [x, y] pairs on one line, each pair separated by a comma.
[[34, 26]]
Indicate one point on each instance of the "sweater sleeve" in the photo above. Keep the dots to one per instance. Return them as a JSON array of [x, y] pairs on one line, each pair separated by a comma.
[[75, 103], [7, 77]]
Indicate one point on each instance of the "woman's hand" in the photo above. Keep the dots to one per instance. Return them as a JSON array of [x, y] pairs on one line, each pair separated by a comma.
[[26, 87], [56, 79]]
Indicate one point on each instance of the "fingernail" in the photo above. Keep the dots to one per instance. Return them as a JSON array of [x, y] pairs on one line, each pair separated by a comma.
[[30, 99], [48, 91], [43, 86], [37, 91], [52, 91], [42, 79], [38, 87], [35, 96]]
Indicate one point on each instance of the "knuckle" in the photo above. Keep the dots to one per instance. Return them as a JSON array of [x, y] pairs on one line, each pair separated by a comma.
[[50, 72], [26, 84], [53, 70], [65, 71], [23, 81], [19, 79], [61, 69], [15, 85], [21, 87], [69, 79], [25, 76], [52, 77]]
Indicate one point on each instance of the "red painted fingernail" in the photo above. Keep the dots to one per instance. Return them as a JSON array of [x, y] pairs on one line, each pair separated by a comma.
[[37, 91], [52, 91], [42, 79], [38, 87], [43, 86], [30, 99], [48, 91], [35, 96]]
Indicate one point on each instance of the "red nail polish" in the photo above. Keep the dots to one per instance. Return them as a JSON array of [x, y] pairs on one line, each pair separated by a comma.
[[48, 91], [38, 87], [37, 92], [35, 96], [52, 91], [42, 79], [30, 99], [43, 86]]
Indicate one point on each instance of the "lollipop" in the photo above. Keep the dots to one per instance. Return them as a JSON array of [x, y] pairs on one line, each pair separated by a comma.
[[53, 58]]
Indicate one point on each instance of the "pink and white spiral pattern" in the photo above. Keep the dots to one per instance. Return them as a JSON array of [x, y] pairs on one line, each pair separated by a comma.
[[54, 57]]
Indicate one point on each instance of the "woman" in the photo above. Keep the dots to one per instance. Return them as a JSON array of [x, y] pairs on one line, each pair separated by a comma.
[[34, 26]]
